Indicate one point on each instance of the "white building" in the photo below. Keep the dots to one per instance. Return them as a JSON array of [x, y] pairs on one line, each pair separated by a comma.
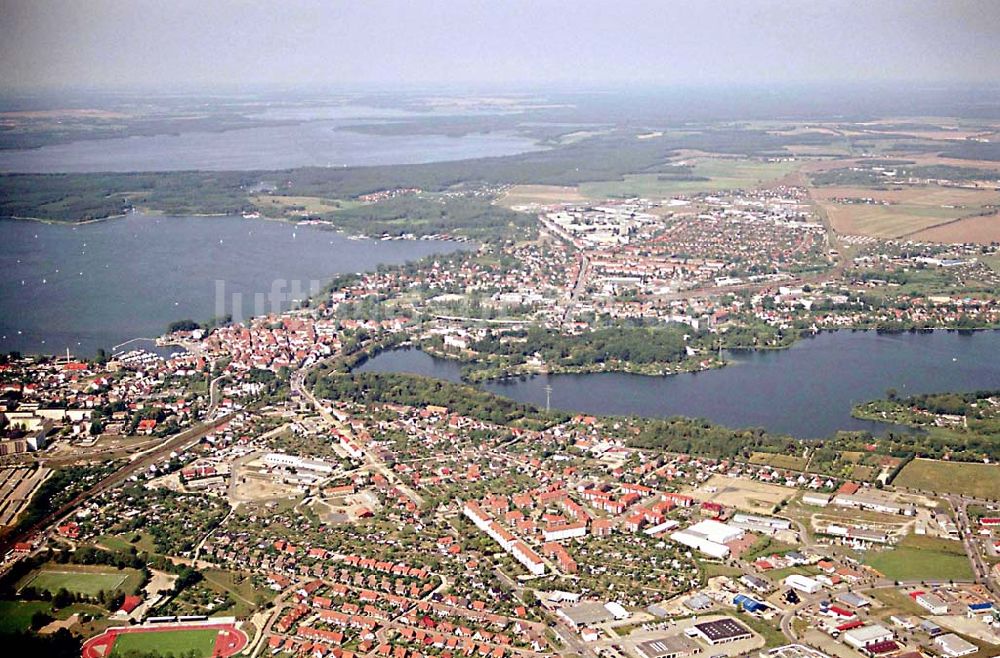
[[523, 554], [281, 460], [954, 646], [859, 638], [803, 583], [567, 531], [933, 603]]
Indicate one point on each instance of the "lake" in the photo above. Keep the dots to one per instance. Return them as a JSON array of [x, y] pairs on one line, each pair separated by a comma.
[[96, 285], [806, 391], [321, 143]]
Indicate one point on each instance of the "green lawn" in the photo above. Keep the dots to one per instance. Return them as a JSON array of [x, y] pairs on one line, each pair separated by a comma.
[[922, 558], [16, 615], [968, 478], [176, 642], [88, 583]]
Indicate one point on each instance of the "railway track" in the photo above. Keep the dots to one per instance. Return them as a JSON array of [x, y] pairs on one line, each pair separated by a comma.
[[181, 441]]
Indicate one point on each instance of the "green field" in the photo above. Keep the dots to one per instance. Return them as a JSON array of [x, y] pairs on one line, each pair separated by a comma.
[[88, 583], [16, 615], [723, 174], [778, 460], [966, 478], [922, 558], [176, 642]]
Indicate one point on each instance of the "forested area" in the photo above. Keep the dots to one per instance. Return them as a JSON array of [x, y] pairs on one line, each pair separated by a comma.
[[394, 388]]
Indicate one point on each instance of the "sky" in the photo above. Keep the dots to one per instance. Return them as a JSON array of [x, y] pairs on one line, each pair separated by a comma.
[[389, 43]]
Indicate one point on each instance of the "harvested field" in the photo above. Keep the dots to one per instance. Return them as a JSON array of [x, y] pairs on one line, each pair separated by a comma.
[[910, 210], [981, 230]]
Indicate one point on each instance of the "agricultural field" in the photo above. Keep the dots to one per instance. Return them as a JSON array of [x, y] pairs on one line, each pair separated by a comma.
[[176, 642], [922, 558], [519, 195], [929, 211], [984, 229], [966, 478], [722, 174], [86, 581]]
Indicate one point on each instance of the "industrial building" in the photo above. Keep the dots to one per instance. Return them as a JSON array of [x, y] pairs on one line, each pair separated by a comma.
[[675, 646], [954, 646], [722, 631], [861, 637], [709, 537], [803, 583]]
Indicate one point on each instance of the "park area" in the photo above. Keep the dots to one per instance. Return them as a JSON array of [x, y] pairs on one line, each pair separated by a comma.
[[83, 580], [203, 640], [965, 478]]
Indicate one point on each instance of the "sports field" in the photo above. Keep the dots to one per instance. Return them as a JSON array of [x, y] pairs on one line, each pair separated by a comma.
[[211, 640], [967, 478], [88, 583], [177, 642]]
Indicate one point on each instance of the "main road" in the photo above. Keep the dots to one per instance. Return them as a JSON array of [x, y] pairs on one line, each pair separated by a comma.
[[298, 386]]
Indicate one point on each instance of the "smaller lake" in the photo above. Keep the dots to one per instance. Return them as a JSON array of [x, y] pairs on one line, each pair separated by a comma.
[[806, 391]]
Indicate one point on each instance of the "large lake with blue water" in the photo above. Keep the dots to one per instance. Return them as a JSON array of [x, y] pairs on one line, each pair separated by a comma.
[[96, 285]]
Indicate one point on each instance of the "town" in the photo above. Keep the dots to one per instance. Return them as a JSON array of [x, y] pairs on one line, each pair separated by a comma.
[[243, 484]]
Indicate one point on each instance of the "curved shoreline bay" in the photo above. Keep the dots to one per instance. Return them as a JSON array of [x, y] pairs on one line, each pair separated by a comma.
[[93, 286]]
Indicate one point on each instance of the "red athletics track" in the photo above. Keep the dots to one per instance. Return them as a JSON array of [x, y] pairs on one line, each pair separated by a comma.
[[228, 642]]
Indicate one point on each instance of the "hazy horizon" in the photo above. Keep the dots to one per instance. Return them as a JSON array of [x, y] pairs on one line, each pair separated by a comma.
[[385, 44]]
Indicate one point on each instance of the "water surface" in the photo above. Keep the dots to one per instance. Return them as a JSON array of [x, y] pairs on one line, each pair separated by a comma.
[[806, 391], [309, 144], [97, 285]]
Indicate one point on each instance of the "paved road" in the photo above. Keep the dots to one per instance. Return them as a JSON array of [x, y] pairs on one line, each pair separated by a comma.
[[371, 459], [980, 568]]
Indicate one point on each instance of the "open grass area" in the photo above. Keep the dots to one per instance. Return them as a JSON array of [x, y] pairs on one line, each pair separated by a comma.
[[245, 596], [723, 174], [713, 569], [768, 546], [895, 603], [277, 205], [792, 462], [176, 642], [773, 637], [966, 478], [519, 195], [16, 615], [922, 558], [87, 581]]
